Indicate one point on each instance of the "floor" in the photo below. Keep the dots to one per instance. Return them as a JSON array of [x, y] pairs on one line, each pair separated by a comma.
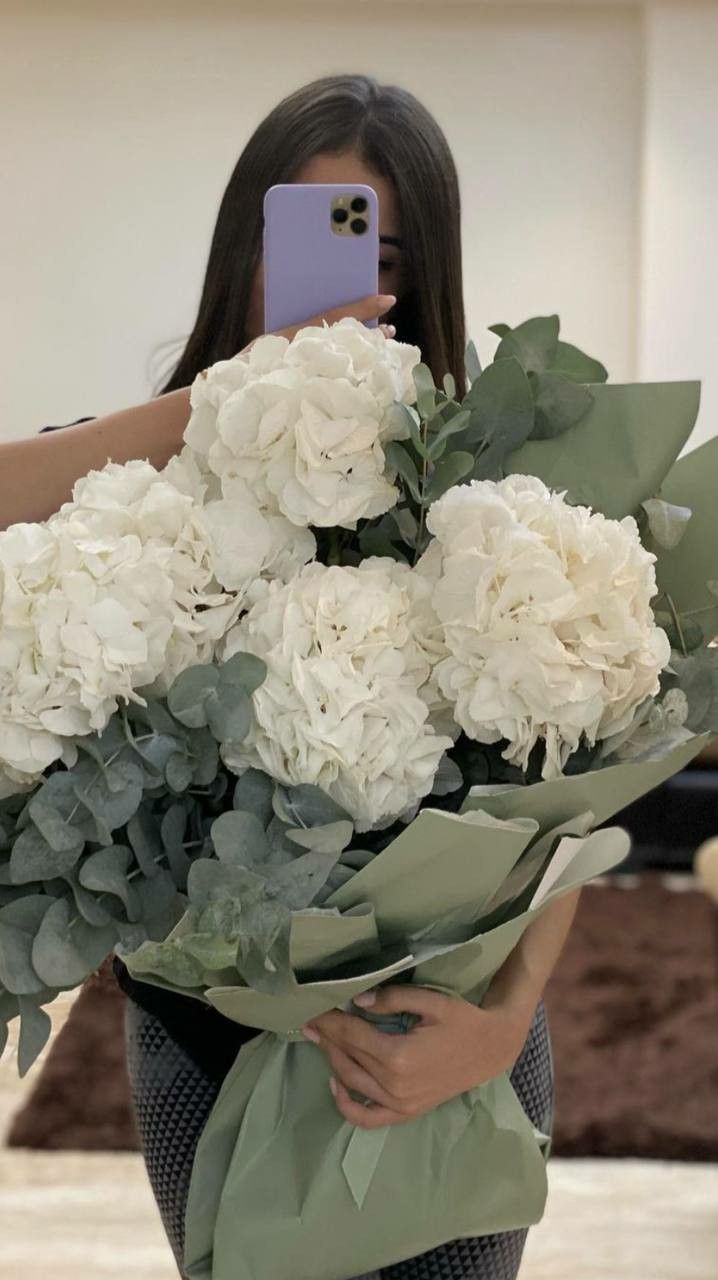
[[606, 1220]]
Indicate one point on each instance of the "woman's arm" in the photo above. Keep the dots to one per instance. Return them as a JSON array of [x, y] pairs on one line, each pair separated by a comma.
[[37, 475], [519, 984]]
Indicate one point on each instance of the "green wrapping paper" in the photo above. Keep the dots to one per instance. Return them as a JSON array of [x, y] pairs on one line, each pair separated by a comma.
[[278, 1168]]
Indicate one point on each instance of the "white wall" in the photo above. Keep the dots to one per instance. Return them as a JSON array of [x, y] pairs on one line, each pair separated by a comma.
[[119, 125], [679, 297]]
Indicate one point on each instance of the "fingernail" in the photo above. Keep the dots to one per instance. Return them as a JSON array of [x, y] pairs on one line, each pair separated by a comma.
[[366, 1000], [388, 298], [391, 330], [310, 1034], [333, 1086]]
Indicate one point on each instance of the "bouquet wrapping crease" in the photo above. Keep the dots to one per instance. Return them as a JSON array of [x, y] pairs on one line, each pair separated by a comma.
[[346, 696]]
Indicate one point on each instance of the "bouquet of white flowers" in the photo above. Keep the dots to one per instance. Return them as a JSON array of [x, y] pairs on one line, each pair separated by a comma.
[[345, 693]]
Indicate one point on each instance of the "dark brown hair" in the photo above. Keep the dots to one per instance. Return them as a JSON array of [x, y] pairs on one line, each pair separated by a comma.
[[394, 135]]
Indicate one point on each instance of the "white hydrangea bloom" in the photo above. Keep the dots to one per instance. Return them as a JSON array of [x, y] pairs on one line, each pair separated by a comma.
[[303, 424], [340, 706], [546, 616], [115, 591]]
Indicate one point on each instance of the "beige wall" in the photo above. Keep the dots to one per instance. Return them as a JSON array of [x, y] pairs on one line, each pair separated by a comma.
[[120, 125]]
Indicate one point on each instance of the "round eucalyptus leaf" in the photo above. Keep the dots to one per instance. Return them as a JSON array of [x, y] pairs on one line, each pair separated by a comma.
[[229, 714], [254, 791], [179, 771], [243, 670], [19, 923], [106, 872], [188, 695], [35, 1028], [64, 957], [239, 839], [33, 859]]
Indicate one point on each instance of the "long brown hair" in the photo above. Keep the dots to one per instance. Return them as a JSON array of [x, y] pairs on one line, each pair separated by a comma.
[[394, 135]]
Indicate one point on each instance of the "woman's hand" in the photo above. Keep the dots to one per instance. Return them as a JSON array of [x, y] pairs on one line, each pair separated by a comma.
[[365, 309], [456, 1047]]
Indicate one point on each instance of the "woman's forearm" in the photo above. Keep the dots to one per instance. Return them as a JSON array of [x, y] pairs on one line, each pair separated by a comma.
[[37, 475], [520, 982]]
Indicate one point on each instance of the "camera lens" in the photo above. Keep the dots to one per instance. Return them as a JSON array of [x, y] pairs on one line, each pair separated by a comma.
[[340, 215], [359, 226], [358, 204]]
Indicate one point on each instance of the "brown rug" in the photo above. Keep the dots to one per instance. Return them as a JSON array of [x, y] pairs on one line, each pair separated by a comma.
[[633, 1007]]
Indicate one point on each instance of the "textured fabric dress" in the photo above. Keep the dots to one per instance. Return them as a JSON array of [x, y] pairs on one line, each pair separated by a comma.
[[178, 1054]]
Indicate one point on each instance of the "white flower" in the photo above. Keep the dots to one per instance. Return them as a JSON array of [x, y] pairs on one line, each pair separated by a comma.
[[303, 424], [114, 591], [340, 707], [546, 615]]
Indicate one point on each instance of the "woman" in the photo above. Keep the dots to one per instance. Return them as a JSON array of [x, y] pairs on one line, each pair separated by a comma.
[[347, 129]]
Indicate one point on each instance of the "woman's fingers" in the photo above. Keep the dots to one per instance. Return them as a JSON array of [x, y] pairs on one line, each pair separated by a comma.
[[364, 309], [354, 1077], [362, 1117]]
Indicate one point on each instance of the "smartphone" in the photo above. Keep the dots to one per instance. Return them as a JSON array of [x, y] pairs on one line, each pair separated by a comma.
[[321, 250]]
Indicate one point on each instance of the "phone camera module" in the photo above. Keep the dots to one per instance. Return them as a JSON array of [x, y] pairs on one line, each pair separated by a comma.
[[359, 204], [340, 216], [359, 226]]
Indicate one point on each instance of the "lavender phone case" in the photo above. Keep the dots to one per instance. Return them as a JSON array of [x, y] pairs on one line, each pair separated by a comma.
[[308, 268]]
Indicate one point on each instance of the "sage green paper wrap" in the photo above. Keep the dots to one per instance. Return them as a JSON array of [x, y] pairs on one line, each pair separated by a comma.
[[283, 1188]]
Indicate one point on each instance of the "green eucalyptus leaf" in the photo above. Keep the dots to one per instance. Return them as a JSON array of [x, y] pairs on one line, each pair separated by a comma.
[[306, 806], [459, 421], [333, 836], [89, 908], [575, 364], [189, 693], [35, 1028], [297, 883], [534, 344], [211, 951], [253, 791], [449, 381], [243, 670], [357, 858], [406, 524], [159, 750], [33, 859], [202, 746], [59, 834], [666, 521], [455, 467], [179, 772], [239, 839], [159, 719], [425, 390], [502, 415], [560, 404], [64, 957], [106, 872], [170, 961], [380, 537], [697, 676], [229, 713], [112, 797], [500, 329], [397, 459], [19, 923], [172, 831], [144, 838], [472, 365], [448, 777], [160, 903]]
